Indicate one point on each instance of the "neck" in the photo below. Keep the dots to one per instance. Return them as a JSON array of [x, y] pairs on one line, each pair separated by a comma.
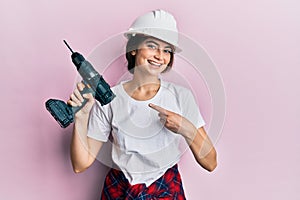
[[144, 83]]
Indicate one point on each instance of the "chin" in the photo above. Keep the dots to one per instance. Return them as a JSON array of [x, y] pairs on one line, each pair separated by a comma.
[[152, 70], [155, 72]]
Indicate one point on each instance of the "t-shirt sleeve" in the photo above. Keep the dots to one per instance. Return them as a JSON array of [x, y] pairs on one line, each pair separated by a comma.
[[191, 110], [99, 125]]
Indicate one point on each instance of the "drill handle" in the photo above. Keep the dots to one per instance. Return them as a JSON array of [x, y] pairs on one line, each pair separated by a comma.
[[85, 90]]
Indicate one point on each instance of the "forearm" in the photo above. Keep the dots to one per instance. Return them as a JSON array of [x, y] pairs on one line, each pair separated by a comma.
[[79, 145], [202, 148]]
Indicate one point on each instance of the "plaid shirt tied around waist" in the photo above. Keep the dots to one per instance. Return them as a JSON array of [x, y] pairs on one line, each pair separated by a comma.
[[167, 187]]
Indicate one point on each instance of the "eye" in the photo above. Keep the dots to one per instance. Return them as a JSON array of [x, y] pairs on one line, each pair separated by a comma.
[[168, 51], [152, 46]]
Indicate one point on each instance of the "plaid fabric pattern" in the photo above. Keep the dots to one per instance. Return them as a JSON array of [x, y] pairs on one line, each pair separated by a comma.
[[167, 187]]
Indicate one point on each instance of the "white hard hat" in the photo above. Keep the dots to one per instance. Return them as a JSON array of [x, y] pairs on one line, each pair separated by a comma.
[[159, 24]]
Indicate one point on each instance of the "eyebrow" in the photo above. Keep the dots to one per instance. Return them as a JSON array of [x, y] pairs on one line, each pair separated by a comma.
[[151, 41]]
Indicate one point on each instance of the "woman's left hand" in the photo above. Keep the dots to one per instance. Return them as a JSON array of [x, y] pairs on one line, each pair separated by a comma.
[[175, 122]]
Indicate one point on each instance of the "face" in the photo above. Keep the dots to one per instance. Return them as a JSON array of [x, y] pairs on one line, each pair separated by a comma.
[[152, 56]]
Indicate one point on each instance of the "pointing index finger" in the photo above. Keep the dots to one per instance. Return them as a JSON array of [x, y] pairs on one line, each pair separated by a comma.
[[158, 108]]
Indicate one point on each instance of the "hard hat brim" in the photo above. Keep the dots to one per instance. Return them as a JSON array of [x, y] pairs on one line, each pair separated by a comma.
[[161, 34]]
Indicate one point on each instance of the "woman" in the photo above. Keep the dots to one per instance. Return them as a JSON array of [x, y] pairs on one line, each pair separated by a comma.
[[146, 121]]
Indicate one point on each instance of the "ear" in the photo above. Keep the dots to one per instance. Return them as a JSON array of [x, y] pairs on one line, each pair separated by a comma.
[[133, 52]]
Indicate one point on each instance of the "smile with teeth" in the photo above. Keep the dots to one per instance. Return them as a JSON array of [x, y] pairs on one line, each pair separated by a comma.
[[154, 63]]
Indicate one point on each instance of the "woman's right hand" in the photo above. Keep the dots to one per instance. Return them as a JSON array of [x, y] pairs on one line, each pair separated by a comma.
[[76, 99]]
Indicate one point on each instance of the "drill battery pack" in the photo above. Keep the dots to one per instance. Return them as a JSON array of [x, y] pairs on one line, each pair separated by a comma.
[[61, 112]]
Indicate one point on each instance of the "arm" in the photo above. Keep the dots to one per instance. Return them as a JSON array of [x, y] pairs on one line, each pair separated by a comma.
[[202, 148], [199, 142], [83, 149]]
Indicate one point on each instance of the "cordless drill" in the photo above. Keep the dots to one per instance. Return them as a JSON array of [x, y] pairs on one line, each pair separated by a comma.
[[94, 83]]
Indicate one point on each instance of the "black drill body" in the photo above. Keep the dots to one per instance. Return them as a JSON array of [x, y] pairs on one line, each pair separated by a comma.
[[100, 89]]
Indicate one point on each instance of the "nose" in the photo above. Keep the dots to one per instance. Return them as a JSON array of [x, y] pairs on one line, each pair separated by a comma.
[[159, 54]]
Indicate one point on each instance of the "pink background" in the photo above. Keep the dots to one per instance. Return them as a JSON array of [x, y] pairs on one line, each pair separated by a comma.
[[254, 44]]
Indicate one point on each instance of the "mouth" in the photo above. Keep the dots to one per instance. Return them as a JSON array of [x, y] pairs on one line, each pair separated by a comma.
[[151, 62]]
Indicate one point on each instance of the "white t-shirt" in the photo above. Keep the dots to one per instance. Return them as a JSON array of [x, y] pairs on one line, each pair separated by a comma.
[[141, 146]]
